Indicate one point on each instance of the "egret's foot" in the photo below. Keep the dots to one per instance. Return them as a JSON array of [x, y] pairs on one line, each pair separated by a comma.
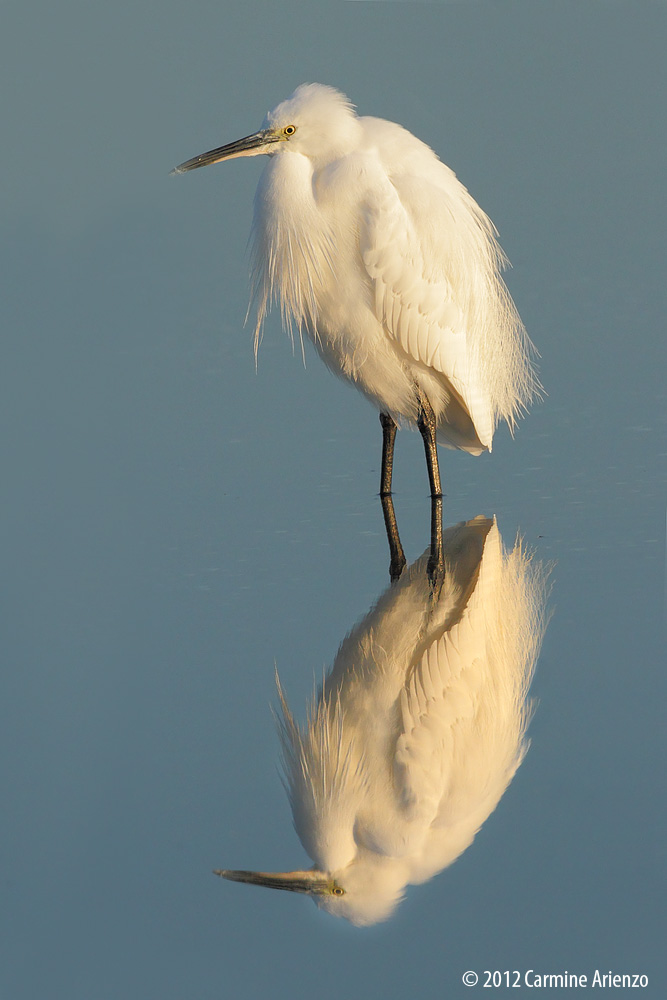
[[436, 575], [397, 556], [396, 567]]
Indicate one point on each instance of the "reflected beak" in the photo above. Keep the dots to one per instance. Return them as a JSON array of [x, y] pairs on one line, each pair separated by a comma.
[[311, 882], [251, 145]]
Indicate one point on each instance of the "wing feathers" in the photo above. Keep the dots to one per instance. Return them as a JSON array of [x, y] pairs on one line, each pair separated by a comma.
[[463, 708], [434, 262]]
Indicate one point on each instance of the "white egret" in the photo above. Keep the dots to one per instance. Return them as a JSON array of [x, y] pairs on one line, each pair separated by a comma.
[[418, 729], [375, 249]]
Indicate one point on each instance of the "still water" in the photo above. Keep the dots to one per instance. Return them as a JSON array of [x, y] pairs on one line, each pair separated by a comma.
[[178, 526]]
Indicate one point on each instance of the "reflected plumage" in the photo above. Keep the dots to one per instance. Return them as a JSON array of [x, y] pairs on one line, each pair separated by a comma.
[[418, 729], [375, 249]]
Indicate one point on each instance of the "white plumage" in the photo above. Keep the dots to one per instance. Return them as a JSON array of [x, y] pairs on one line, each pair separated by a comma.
[[372, 246], [418, 730]]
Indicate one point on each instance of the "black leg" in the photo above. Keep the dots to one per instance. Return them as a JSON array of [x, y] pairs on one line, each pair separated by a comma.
[[397, 563], [427, 429], [388, 438], [436, 559]]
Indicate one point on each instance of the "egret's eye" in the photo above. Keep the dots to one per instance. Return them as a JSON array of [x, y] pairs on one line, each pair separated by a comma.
[[337, 891], [289, 129]]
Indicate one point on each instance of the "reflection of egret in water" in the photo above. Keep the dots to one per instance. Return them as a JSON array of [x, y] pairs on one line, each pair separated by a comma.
[[418, 730]]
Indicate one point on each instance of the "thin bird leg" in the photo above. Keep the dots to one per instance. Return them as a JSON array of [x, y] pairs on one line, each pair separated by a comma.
[[436, 559], [397, 563], [388, 438], [427, 429]]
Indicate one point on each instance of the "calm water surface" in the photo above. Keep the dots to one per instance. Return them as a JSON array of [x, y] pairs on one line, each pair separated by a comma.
[[177, 525]]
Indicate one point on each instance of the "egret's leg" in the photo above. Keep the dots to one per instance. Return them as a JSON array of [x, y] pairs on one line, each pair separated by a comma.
[[397, 563], [427, 429], [388, 438]]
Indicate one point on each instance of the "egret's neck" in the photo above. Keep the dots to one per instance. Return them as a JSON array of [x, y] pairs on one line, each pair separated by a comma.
[[292, 248]]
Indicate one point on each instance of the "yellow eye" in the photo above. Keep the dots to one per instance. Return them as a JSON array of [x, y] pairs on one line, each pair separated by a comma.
[[289, 129], [337, 891]]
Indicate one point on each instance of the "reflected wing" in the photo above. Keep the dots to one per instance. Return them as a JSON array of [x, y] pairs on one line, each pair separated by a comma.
[[463, 709]]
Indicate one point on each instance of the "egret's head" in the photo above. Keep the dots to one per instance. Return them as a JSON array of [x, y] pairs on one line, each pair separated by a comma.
[[370, 892], [316, 121], [321, 122], [360, 894]]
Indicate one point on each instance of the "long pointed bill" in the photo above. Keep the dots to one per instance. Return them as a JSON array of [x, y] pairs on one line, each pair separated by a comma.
[[250, 145], [311, 882]]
